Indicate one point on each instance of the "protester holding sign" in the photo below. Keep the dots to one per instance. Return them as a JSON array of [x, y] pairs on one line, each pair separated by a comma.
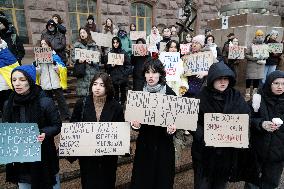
[[267, 131], [53, 78], [255, 66], [28, 104], [233, 63], [274, 58], [154, 162], [214, 166], [180, 86], [210, 44], [119, 73], [99, 106], [138, 64], [89, 68], [153, 40]]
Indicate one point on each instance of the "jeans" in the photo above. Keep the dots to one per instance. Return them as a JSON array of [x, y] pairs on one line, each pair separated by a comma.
[[28, 186], [267, 70]]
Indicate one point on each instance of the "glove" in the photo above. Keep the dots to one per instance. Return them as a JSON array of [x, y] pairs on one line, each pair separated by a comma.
[[267, 125], [171, 129]]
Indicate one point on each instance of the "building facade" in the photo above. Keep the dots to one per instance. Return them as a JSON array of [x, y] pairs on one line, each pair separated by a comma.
[[30, 16]]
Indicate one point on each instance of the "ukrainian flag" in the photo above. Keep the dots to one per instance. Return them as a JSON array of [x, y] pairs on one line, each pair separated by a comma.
[[7, 63], [62, 71]]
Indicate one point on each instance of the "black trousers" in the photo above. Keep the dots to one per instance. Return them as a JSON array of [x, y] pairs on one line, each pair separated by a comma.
[[4, 95], [120, 88]]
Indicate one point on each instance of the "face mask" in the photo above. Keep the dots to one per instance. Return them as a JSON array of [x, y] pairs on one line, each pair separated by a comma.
[[51, 29], [259, 40]]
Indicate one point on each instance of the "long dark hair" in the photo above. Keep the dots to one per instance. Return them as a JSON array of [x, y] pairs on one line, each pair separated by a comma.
[[89, 37], [206, 38], [156, 66], [132, 25], [109, 28], [168, 45], [107, 83], [60, 21]]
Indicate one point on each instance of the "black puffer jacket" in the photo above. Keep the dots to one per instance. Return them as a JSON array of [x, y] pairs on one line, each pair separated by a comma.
[[269, 145], [218, 162], [119, 73]]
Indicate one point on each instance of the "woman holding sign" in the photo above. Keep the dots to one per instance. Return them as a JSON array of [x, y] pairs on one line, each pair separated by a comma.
[[85, 41], [98, 172], [214, 166], [154, 162], [28, 104], [267, 131]]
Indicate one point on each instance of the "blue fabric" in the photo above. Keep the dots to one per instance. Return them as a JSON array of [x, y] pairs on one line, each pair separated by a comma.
[[6, 58], [28, 69], [58, 60]]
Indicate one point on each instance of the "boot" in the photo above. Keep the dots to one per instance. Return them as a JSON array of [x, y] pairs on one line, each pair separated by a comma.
[[254, 91], [247, 95]]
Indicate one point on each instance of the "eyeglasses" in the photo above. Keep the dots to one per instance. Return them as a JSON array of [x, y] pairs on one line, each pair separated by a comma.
[[277, 84]]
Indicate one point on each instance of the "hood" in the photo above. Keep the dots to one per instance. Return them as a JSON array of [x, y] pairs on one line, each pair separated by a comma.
[[220, 70], [51, 22], [116, 38], [269, 79]]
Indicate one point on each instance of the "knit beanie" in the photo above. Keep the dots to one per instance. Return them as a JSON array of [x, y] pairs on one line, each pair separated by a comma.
[[29, 71], [199, 39], [274, 32], [259, 33]]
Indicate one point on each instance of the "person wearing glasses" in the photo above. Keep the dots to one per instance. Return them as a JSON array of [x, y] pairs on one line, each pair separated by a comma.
[[267, 130]]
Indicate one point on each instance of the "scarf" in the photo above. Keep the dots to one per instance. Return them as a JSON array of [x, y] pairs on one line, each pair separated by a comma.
[[155, 89]]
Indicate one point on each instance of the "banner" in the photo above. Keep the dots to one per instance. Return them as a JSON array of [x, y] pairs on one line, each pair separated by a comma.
[[114, 58], [19, 143], [185, 48], [226, 130], [102, 39], [260, 51], [162, 110], [43, 55], [87, 55], [170, 61], [275, 47], [139, 49], [236, 52], [94, 139], [134, 35], [197, 62]]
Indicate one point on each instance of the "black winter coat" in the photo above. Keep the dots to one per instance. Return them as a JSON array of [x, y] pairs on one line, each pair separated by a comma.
[[15, 45], [138, 77], [154, 162], [42, 173], [274, 58], [119, 73], [98, 171], [217, 161], [269, 146]]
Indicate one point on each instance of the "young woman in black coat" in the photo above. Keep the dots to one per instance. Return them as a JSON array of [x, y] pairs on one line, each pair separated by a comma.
[[138, 64], [154, 162], [267, 135], [28, 104], [98, 172], [213, 166], [119, 73]]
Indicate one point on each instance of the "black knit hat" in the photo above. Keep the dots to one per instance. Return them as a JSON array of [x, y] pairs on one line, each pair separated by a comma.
[[91, 17]]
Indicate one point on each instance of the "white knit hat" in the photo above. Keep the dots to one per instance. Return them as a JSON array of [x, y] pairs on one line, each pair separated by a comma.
[[274, 32], [199, 39]]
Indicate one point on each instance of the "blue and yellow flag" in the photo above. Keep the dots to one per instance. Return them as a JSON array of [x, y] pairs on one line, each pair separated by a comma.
[[7, 63], [62, 71]]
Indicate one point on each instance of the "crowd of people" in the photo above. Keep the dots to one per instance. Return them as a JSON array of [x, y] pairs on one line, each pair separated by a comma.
[[27, 97]]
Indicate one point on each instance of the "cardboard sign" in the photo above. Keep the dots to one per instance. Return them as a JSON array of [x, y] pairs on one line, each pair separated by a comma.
[[260, 51], [94, 139], [236, 52], [185, 48], [275, 47], [139, 49], [87, 55], [114, 58], [102, 39], [162, 110], [197, 62], [134, 35], [43, 55], [226, 130], [170, 61], [19, 143], [162, 46]]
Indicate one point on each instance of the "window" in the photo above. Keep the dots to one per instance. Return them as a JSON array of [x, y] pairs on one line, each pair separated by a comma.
[[141, 15], [79, 11], [15, 13]]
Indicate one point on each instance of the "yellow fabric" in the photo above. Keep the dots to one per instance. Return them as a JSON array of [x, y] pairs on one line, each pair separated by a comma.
[[6, 72], [63, 77]]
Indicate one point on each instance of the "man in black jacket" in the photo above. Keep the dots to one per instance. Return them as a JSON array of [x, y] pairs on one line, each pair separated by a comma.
[[9, 35]]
